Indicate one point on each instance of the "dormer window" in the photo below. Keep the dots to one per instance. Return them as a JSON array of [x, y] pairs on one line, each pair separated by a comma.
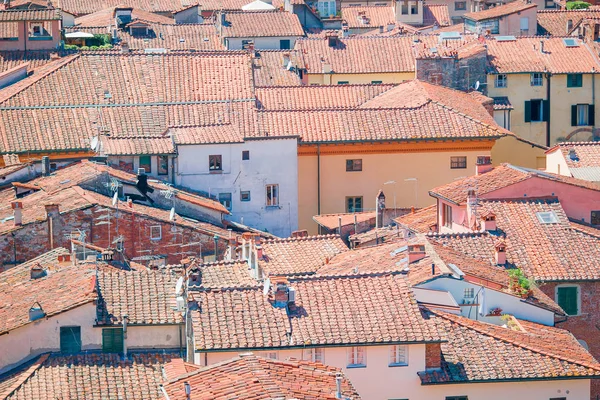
[[36, 29]]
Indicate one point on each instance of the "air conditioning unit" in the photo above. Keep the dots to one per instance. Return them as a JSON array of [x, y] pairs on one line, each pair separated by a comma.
[[291, 295], [180, 304]]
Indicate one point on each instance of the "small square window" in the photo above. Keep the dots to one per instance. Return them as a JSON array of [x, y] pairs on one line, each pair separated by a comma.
[[501, 81], [146, 163], [313, 355], [574, 80], [246, 155], [272, 195], [354, 165], [70, 339], [537, 79], [215, 163], [457, 397], [460, 5], [343, 82], [225, 199], [269, 354], [469, 293], [354, 204], [458, 162], [245, 195], [163, 165], [156, 232], [595, 218], [398, 355], [567, 298], [376, 82], [357, 357]]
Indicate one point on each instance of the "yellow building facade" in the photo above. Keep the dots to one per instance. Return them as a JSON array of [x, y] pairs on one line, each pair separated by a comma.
[[341, 79]]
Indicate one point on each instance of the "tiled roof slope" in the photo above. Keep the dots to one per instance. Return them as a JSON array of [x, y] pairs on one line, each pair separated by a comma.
[[22, 272], [332, 311], [58, 292], [92, 376], [554, 22], [523, 55], [175, 37], [436, 14], [29, 15], [381, 235], [106, 18], [146, 297], [252, 378], [299, 256], [332, 221], [137, 146], [376, 16], [430, 121], [500, 177], [222, 275], [250, 24], [481, 352], [587, 154], [222, 133], [317, 97], [420, 221], [268, 69], [545, 252], [35, 58], [501, 10]]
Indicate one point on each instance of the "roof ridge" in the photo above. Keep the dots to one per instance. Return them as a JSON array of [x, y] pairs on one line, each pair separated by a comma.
[[304, 238], [462, 114], [505, 338], [25, 376]]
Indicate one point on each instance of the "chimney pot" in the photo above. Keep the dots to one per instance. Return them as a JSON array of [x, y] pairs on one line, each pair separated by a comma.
[[52, 210], [45, 166], [17, 207], [62, 258], [338, 386], [37, 271], [300, 234], [500, 248]]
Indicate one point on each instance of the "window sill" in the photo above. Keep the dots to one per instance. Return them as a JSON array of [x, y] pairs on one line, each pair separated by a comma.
[[356, 366], [218, 171], [397, 365], [34, 38], [272, 207]]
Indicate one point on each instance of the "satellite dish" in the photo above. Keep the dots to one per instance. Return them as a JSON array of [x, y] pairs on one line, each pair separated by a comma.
[[477, 85], [172, 214], [94, 143], [115, 198], [179, 286], [266, 286]]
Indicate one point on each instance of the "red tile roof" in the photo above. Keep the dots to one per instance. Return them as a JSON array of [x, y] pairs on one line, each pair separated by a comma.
[[9, 30], [91, 376], [146, 297], [501, 10], [202, 37], [225, 133], [252, 378], [55, 293], [481, 352], [381, 235], [318, 97], [22, 272], [436, 14], [587, 154], [420, 221], [555, 22], [137, 146], [29, 15], [332, 221], [106, 17], [374, 16], [523, 55], [251, 24], [299, 256], [268, 69], [327, 311], [222, 275]]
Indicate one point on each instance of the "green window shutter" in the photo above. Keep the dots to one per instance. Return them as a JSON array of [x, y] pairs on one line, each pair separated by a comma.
[[591, 116], [574, 115], [112, 340], [527, 111], [567, 299], [546, 110], [70, 339]]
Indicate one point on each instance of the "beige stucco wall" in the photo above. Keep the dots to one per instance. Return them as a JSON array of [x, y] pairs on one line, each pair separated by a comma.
[[379, 381], [430, 168], [511, 24], [333, 79], [513, 151]]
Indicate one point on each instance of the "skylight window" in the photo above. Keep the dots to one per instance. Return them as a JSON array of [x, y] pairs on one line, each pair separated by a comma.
[[449, 35], [506, 39], [547, 217], [571, 42]]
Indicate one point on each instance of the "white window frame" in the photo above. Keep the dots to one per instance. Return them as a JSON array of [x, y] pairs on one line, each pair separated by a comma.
[[152, 231], [314, 354], [537, 79], [271, 355], [568, 285], [274, 202], [469, 293], [398, 355], [357, 357], [501, 82]]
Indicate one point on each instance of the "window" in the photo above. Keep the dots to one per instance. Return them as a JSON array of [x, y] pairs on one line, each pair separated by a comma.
[[460, 5], [582, 115], [404, 8], [269, 354], [501, 81], [245, 195], [414, 8], [354, 204], [567, 298], [398, 355], [284, 44], [246, 44], [536, 110], [458, 162], [313, 355], [595, 219], [357, 357], [524, 25], [537, 79], [146, 163], [447, 216], [246, 155], [326, 8], [163, 165], [574, 80], [550, 4], [112, 340], [225, 199], [353, 165], [272, 195], [215, 163], [457, 397], [469, 293], [343, 82], [156, 232], [547, 217], [376, 82], [70, 339]]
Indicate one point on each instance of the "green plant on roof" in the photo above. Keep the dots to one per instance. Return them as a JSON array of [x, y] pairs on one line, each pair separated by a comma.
[[519, 283], [578, 5]]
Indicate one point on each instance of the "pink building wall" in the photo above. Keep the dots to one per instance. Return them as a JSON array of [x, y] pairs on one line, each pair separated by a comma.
[[511, 24], [25, 43]]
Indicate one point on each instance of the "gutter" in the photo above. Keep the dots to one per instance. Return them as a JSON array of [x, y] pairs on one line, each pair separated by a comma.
[[552, 378], [548, 75]]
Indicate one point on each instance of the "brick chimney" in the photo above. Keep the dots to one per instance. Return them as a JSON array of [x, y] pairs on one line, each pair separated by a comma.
[[63, 258], [300, 234], [488, 221], [483, 165], [52, 210], [416, 252], [17, 207], [433, 356], [500, 252], [37, 271], [283, 293]]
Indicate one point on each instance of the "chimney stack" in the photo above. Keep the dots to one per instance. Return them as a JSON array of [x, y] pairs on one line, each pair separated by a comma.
[[124, 47], [17, 207], [284, 294], [416, 252], [300, 234], [338, 385], [483, 165], [63, 258], [380, 209], [52, 210], [500, 248], [433, 356], [286, 59], [542, 46], [188, 390], [37, 271], [45, 166], [488, 221]]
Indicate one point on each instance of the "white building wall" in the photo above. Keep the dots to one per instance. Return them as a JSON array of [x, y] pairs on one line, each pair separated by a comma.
[[271, 162], [555, 163], [509, 304], [260, 43]]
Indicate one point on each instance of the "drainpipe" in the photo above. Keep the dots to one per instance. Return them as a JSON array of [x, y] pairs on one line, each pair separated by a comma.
[[125, 318], [594, 100], [548, 75], [24, 35], [318, 179]]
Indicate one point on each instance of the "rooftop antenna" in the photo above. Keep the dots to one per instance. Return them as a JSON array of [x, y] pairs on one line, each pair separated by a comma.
[[113, 186]]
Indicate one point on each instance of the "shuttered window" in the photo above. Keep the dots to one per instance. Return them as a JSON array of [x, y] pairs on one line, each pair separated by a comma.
[[568, 298], [582, 115], [112, 340], [70, 339]]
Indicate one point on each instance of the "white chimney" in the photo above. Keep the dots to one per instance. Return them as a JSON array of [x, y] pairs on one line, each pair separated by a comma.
[[17, 207], [338, 386], [500, 248]]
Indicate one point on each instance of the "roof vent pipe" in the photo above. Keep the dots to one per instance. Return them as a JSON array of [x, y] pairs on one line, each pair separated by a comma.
[[338, 386]]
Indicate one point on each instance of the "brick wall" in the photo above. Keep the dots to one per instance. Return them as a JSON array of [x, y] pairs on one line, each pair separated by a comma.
[[433, 355]]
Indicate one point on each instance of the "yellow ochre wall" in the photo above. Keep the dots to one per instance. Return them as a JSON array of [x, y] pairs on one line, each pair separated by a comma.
[[509, 149], [333, 79]]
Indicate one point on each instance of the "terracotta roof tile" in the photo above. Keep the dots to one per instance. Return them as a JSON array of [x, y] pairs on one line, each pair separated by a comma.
[[222, 275], [93, 376], [481, 352], [332, 221], [29, 15], [250, 24], [586, 154], [268, 69], [55, 293], [420, 221], [555, 22], [9, 30], [299, 256], [175, 37], [106, 18], [252, 378], [22, 272], [436, 14], [374, 16], [137, 145], [374, 310], [382, 235], [225, 133], [501, 10]]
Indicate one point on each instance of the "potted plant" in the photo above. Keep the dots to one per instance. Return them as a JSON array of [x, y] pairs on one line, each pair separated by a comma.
[[495, 312]]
